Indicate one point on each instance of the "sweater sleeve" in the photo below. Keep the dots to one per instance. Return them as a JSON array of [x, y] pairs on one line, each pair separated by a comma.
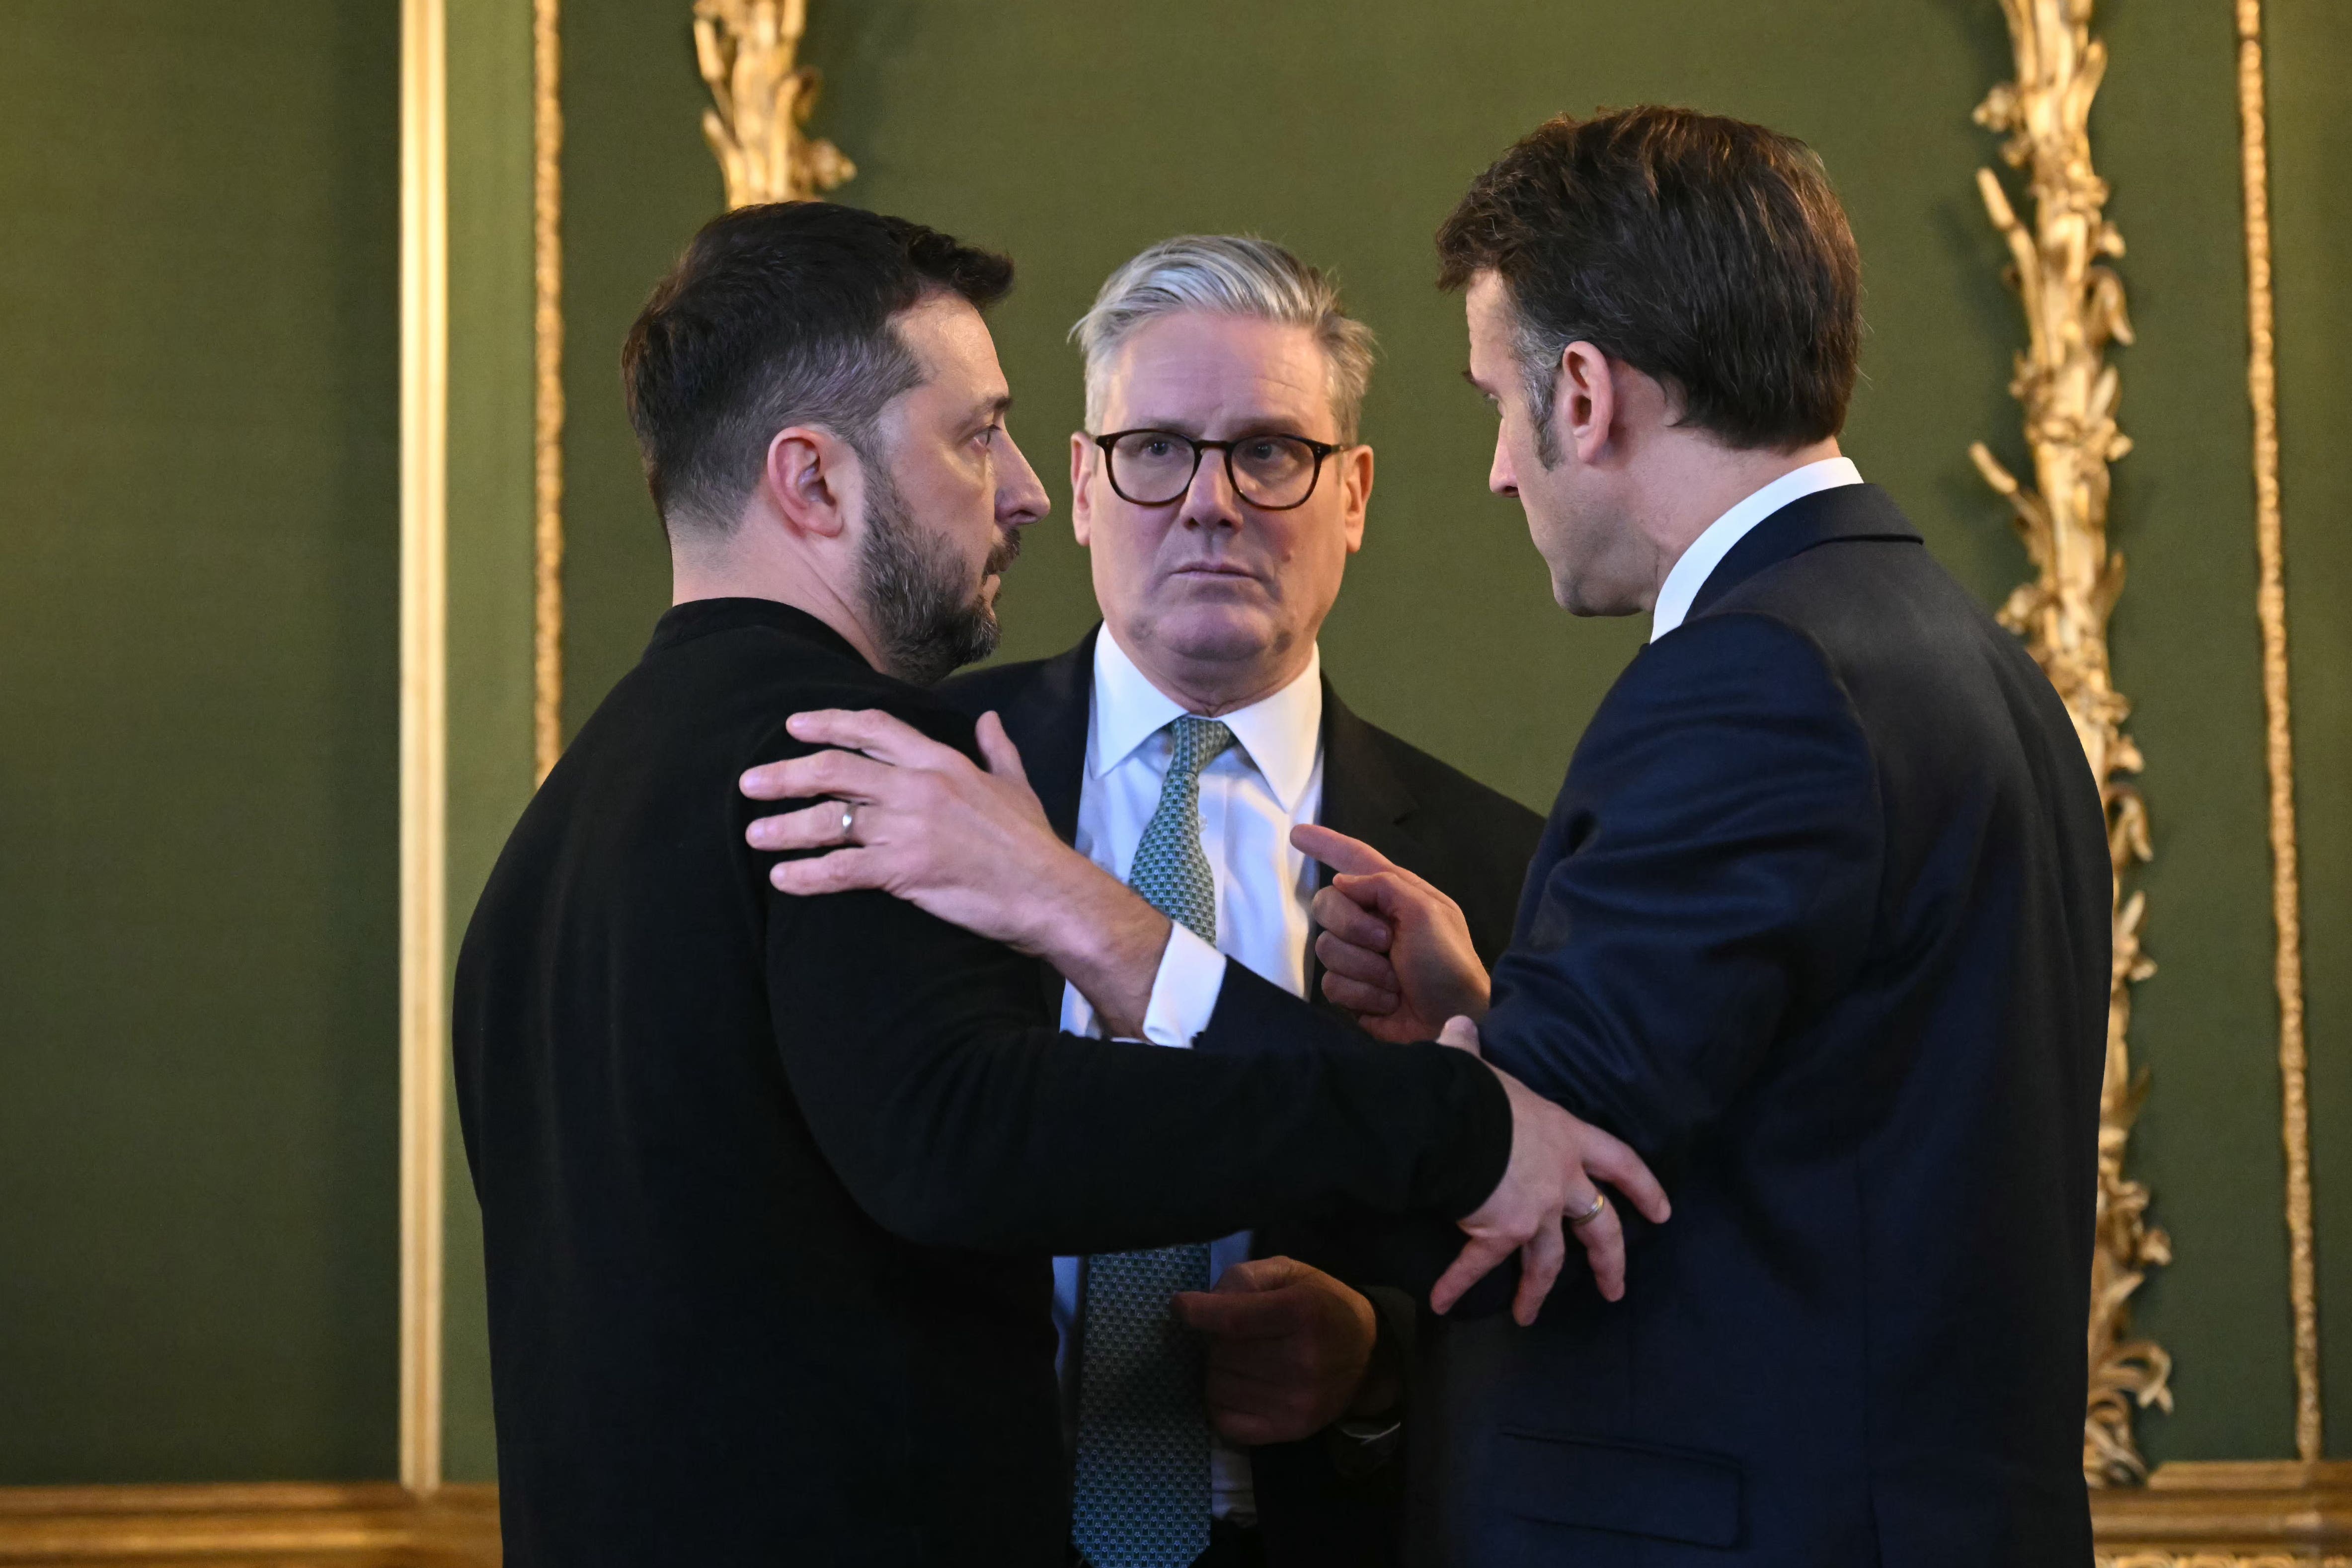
[[920, 1057]]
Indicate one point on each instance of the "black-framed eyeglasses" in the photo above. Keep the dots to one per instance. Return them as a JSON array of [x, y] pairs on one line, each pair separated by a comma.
[[1155, 467]]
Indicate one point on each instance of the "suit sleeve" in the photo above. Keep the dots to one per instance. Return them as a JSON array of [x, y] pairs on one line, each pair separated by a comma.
[[922, 1058], [1717, 859]]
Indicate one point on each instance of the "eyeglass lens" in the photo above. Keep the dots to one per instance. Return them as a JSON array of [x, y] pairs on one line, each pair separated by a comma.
[[1152, 467]]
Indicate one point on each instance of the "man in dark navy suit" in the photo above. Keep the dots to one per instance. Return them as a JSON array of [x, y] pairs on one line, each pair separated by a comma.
[[1819, 924]]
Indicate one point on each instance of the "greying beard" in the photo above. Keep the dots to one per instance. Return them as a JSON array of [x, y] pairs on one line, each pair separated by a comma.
[[930, 618]]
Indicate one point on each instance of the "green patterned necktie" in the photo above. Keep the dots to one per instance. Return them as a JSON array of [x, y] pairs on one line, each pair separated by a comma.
[[1141, 1498]]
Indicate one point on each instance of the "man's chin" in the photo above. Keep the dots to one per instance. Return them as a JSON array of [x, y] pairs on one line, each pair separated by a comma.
[[1217, 634], [1592, 601]]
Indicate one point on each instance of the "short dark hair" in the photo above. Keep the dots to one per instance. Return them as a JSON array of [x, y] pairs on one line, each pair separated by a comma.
[[1707, 253], [780, 314]]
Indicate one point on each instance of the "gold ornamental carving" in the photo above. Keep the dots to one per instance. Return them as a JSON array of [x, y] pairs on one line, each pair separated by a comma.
[[760, 100], [2074, 306]]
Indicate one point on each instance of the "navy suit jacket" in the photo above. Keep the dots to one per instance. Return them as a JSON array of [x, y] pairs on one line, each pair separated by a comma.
[[1316, 1505], [1820, 926]]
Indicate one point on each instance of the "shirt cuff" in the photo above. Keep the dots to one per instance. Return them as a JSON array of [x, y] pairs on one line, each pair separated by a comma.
[[1184, 992]]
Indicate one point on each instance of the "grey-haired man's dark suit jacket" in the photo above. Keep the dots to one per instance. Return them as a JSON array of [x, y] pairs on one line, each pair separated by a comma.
[[1471, 841]]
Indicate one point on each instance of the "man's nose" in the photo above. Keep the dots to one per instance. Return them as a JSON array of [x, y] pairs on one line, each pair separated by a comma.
[[1021, 498], [1211, 501], [1499, 478]]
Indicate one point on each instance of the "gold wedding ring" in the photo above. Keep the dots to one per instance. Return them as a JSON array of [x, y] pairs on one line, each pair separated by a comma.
[[1599, 1207]]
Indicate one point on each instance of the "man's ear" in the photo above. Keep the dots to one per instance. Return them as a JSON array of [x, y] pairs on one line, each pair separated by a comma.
[[1355, 466], [1084, 456], [812, 481], [1585, 409]]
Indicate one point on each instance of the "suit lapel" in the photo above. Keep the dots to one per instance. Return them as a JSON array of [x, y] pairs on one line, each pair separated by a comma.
[[1048, 722], [1363, 797], [1048, 719]]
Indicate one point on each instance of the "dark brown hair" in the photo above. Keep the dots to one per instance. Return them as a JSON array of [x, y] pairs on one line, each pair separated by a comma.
[[777, 315], [1707, 253]]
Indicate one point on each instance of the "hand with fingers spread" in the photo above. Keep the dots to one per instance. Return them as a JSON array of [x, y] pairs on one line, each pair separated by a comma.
[[1289, 1352], [1552, 1185], [1395, 951], [914, 817]]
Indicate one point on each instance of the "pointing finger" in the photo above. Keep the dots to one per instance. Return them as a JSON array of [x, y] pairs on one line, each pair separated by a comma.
[[1337, 850]]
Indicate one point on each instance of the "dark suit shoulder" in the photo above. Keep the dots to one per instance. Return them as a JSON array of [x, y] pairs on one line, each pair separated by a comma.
[[1474, 827], [977, 691], [1440, 786], [1472, 841], [1030, 686]]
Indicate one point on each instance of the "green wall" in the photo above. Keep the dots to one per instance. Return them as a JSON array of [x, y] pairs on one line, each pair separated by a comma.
[[199, 547], [492, 562], [1072, 136]]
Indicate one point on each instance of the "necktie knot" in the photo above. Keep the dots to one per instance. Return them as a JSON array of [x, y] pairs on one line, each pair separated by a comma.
[[1194, 744]]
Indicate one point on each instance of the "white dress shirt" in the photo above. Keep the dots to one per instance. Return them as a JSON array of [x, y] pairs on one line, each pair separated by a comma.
[[1252, 795], [1706, 551]]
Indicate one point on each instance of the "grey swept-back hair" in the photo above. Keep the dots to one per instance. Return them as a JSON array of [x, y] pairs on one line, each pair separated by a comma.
[[1232, 275]]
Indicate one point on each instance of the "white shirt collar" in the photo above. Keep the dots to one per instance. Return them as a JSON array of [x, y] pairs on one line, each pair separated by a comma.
[[1706, 551], [1281, 733]]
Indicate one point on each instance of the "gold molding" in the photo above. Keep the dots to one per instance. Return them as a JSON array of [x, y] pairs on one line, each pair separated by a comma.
[[2270, 605], [423, 723], [547, 394], [2228, 1514], [363, 1525], [2073, 308], [760, 97]]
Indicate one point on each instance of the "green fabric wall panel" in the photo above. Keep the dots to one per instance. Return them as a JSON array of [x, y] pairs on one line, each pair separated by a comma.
[[198, 799], [637, 183], [1072, 137], [2311, 146], [490, 578], [2187, 653]]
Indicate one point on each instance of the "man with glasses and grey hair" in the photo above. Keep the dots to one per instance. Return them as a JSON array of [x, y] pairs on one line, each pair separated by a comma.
[[1219, 489]]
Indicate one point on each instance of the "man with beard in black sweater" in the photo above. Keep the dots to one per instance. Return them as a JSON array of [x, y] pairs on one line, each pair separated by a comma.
[[770, 1184]]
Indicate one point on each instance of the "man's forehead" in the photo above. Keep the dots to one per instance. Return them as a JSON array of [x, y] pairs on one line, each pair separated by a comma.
[[951, 341], [1196, 357], [1486, 310]]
